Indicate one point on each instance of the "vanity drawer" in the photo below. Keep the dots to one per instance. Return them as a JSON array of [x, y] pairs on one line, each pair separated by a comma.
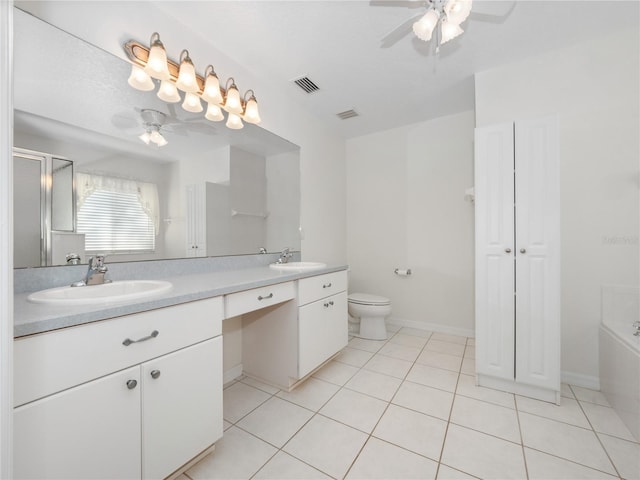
[[54, 361], [314, 288], [257, 298]]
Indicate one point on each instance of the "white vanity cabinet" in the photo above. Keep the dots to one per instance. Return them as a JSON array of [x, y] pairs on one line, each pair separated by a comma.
[[90, 404]]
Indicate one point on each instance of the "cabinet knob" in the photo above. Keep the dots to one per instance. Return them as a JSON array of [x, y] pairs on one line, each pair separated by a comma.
[[523, 250], [131, 384], [507, 250], [155, 373]]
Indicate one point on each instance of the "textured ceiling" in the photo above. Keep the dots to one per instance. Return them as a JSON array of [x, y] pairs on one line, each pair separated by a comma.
[[362, 54]]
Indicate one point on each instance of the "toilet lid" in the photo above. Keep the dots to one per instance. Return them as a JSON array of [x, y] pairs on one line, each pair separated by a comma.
[[367, 299]]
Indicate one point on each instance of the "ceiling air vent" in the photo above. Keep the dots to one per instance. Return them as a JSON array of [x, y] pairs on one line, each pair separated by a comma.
[[347, 114], [306, 84]]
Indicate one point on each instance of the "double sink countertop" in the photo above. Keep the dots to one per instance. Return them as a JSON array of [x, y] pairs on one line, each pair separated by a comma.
[[32, 318]]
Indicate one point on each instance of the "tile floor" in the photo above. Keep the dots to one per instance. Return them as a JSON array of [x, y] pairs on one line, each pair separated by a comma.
[[407, 408]]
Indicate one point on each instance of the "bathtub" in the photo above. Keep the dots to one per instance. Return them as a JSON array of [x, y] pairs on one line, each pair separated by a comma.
[[620, 353]]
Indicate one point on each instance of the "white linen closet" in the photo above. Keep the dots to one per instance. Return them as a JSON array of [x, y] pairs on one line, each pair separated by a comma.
[[517, 203]]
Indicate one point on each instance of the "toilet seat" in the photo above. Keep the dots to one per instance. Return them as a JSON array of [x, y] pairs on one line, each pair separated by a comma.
[[368, 299]]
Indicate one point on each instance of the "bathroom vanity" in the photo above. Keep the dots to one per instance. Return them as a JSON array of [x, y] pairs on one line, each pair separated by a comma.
[[139, 394]]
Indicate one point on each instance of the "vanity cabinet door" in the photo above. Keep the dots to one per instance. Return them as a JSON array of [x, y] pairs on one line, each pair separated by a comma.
[[322, 331], [90, 431], [181, 407]]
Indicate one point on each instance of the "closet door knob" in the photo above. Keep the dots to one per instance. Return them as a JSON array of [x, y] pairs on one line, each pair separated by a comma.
[[523, 250], [131, 384], [507, 250], [155, 374]]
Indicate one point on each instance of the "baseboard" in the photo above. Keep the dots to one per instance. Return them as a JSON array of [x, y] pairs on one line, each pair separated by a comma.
[[231, 374], [580, 380], [432, 327]]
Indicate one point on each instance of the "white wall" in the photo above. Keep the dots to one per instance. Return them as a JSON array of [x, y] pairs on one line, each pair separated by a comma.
[[406, 209], [593, 87]]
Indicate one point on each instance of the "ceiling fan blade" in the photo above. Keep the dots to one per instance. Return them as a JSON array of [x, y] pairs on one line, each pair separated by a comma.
[[400, 31], [398, 3], [490, 9]]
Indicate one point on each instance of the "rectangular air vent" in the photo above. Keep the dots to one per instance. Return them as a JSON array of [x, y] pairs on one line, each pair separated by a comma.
[[347, 114], [306, 84]]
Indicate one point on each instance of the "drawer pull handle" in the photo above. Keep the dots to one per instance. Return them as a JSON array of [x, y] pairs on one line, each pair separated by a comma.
[[128, 341], [329, 304], [265, 298], [326, 285], [131, 384], [155, 374]]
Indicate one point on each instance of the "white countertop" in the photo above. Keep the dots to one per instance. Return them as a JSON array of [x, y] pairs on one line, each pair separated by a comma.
[[32, 318]]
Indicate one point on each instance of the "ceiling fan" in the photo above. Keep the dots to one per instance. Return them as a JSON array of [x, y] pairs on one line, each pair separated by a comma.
[[443, 18]]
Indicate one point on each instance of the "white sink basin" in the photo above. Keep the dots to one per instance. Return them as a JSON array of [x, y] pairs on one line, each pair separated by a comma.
[[105, 293], [285, 267]]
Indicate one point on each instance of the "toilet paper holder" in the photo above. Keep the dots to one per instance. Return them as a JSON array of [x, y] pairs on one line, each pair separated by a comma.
[[402, 272]]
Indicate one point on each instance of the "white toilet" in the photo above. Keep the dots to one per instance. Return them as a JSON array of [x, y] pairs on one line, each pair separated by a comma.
[[371, 310]]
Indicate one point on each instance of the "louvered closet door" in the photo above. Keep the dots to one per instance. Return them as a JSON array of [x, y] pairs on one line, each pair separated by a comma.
[[495, 308], [537, 253]]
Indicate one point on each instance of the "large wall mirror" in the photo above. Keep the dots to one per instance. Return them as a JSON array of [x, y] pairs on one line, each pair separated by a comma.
[[210, 191]]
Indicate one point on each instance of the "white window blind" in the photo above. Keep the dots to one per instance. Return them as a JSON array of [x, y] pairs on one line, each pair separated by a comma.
[[114, 219]]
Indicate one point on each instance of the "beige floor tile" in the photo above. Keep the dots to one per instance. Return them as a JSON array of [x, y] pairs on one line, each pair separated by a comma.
[[421, 398], [400, 351], [447, 473], [468, 366], [237, 455], [486, 417], [284, 467], [275, 421], [467, 387], [445, 347], [483, 455], [393, 367], [625, 456], [606, 420], [382, 461], [565, 391], [470, 352], [354, 409], [414, 431], [353, 356], [312, 394], [271, 390], [588, 395], [440, 360], [239, 399], [368, 345], [408, 340], [567, 441], [433, 377], [336, 372], [416, 332], [374, 384], [392, 327], [542, 466], [446, 337], [568, 411], [327, 445], [226, 425], [471, 341]]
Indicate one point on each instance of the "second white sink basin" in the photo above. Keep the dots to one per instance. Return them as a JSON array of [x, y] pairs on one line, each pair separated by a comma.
[[105, 293], [284, 267]]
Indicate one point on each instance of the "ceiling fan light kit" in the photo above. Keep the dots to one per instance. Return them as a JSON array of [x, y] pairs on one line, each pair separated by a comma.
[[149, 63], [447, 14]]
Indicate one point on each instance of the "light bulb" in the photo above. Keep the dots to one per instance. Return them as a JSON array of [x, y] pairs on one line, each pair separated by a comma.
[[192, 103], [139, 79], [251, 114], [232, 104], [168, 92], [187, 75], [157, 62], [458, 10], [213, 113], [450, 31], [211, 92], [424, 27], [234, 122], [157, 138], [145, 137]]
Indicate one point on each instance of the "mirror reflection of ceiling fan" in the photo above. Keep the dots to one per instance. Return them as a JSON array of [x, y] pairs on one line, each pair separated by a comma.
[[443, 18]]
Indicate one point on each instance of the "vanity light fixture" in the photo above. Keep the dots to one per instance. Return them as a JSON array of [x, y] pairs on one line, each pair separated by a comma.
[[448, 14], [149, 63]]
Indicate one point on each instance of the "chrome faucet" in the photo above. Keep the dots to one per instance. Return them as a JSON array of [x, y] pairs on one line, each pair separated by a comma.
[[95, 273], [285, 256]]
